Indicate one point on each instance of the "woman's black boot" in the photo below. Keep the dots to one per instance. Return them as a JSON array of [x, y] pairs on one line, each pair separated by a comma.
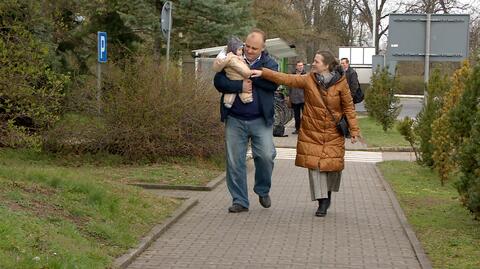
[[322, 207], [329, 199]]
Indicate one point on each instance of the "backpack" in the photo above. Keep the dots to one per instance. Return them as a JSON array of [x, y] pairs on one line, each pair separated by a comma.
[[358, 96], [279, 131]]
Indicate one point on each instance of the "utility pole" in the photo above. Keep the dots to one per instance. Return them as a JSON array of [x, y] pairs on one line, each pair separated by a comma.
[[166, 22], [374, 28]]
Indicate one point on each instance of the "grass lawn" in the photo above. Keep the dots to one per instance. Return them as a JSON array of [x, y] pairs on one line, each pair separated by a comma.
[[57, 216], [376, 137], [175, 172], [448, 232]]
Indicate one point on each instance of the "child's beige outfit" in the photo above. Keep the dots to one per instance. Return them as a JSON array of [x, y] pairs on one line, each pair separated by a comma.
[[235, 69]]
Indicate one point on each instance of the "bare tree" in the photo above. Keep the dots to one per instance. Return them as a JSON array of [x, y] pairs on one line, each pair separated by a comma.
[[325, 24], [366, 15], [435, 6], [350, 10], [475, 40]]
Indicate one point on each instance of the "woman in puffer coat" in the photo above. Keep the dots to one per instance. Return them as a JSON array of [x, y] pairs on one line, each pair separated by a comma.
[[320, 147]]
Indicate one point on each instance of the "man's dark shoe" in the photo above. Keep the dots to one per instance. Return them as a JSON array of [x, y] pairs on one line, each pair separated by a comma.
[[323, 205], [265, 201], [236, 208]]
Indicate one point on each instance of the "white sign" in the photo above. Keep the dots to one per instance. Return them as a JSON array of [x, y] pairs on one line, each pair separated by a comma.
[[357, 55]]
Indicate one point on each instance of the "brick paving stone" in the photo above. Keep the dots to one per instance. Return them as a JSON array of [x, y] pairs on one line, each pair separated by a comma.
[[361, 229]]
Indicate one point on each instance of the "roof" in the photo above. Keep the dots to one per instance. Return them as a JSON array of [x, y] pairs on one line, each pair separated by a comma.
[[277, 47]]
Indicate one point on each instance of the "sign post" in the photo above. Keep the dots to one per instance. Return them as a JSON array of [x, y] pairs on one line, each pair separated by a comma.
[[102, 58], [166, 22]]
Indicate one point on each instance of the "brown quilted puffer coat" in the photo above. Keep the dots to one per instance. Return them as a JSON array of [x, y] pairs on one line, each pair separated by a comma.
[[320, 145]]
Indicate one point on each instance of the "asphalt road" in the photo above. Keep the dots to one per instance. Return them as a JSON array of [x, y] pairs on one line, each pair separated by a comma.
[[410, 107]]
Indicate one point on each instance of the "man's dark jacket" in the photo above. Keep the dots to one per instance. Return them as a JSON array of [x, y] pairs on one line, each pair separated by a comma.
[[263, 89], [352, 79]]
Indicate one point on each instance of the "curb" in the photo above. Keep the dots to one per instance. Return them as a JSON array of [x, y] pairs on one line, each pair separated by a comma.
[[210, 185], [383, 149], [374, 149], [412, 96], [412, 238], [125, 260]]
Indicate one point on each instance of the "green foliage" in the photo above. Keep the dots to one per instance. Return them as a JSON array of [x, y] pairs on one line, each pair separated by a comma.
[[277, 19], [201, 24], [406, 127], [19, 137], [443, 138], [469, 161], [31, 91], [380, 101], [130, 26], [465, 121], [437, 87]]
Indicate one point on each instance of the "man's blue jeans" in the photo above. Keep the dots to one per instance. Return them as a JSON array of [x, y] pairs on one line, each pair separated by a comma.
[[237, 134]]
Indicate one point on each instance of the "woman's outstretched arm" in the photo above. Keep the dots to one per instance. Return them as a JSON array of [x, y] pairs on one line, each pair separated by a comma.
[[290, 80]]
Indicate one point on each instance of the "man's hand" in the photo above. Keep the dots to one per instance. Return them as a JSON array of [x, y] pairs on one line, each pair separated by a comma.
[[247, 86]]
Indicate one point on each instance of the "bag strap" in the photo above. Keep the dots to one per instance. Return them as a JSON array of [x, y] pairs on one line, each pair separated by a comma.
[[326, 106]]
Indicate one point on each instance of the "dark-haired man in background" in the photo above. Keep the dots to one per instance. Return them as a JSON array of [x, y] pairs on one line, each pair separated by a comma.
[[352, 79]]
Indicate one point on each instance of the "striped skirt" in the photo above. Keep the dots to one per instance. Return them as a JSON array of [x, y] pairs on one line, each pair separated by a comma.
[[322, 182]]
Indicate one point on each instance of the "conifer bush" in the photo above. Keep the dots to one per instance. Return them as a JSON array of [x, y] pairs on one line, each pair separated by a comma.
[[406, 128], [437, 87], [444, 138], [469, 160], [380, 101], [465, 123]]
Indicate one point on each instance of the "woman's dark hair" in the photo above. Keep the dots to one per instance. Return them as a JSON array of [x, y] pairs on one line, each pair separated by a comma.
[[328, 59]]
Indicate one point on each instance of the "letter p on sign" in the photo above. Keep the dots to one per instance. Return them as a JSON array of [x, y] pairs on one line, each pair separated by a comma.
[[102, 47]]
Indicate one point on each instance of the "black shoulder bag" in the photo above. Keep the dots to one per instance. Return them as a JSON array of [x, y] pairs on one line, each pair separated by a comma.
[[342, 124], [358, 96]]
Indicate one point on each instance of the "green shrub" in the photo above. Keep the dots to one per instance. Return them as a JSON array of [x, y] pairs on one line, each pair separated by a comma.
[[406, 127], [437, 87], [145, 115], [465, 123], [469, 160], [31, 92], [443, 138], [380, 101]]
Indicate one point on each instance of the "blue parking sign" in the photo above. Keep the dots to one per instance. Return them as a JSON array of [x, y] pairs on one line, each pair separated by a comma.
[[102, 47]]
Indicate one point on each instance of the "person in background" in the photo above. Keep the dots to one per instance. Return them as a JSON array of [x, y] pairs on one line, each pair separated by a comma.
[[320, 146], [352, 79], [246, 122], [296, 98]]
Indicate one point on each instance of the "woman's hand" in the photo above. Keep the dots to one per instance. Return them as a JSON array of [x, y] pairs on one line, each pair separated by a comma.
[[256, 73]]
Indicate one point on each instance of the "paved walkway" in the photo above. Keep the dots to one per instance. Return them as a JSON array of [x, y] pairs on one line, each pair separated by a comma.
[[361, 229]]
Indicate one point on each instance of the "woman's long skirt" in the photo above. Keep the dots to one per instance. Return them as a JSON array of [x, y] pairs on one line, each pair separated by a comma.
[[322, 182]]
